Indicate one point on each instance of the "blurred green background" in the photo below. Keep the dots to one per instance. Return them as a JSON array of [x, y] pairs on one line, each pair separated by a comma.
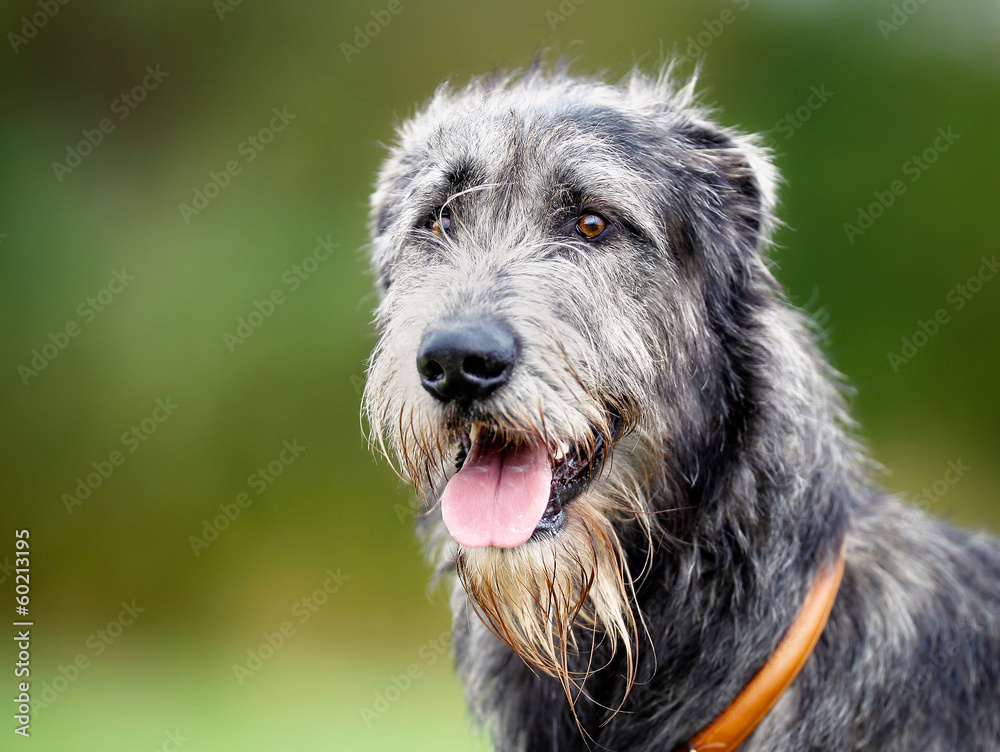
[[365, 667]]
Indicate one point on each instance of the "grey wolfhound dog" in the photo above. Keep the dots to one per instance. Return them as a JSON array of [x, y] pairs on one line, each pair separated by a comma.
[[635, 459]]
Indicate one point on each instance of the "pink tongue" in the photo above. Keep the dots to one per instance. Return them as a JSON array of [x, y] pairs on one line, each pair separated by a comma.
[[498, 496]]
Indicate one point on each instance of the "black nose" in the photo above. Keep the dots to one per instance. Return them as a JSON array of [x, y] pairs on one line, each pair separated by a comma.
[[465, 360]]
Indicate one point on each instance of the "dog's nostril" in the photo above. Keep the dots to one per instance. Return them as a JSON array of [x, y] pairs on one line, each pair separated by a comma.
[[431, 370], [479, 367]]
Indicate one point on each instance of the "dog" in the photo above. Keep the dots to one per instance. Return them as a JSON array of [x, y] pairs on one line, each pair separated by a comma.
[[641, 481]]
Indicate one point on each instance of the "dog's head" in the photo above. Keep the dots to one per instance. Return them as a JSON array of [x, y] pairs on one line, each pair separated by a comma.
[[558, 261]]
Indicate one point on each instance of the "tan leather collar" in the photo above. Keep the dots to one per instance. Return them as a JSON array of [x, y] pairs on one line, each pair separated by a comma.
[[727, 732]]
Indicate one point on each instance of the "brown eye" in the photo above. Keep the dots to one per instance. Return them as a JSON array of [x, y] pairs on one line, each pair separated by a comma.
[[442, 222], [591, 225]]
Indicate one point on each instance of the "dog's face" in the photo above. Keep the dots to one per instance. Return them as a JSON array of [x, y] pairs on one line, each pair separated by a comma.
[[554, 258]]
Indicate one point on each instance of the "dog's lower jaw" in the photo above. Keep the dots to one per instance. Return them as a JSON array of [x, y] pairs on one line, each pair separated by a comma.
[[556, 599], [550, 524]]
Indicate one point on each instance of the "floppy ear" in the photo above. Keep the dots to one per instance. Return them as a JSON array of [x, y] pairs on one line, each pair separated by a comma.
[[726, 214], [726, 178], [738, 181], [389, 194]]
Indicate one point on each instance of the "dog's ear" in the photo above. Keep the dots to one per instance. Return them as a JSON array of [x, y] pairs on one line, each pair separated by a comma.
[[387, 197], [736, 176]]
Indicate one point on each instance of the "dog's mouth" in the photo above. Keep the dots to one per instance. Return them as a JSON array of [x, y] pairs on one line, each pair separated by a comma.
[[506, 492]]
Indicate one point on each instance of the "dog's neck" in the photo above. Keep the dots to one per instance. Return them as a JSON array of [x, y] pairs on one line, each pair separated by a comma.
[[742, 716], [770, 507]]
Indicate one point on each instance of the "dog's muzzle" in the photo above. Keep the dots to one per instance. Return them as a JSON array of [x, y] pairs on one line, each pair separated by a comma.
[[507, 489]]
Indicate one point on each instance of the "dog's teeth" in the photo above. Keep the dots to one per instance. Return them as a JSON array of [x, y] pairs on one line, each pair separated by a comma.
[[474, 432], [562, 451]]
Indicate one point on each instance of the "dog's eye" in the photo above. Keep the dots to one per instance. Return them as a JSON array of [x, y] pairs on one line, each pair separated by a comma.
[[440, 222], [591, 225]]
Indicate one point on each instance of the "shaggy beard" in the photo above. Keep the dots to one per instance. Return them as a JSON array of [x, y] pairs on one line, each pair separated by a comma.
[[552, 601], [535, 596]]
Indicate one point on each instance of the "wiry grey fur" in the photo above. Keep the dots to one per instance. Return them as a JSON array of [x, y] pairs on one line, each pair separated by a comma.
[[735, 478]]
